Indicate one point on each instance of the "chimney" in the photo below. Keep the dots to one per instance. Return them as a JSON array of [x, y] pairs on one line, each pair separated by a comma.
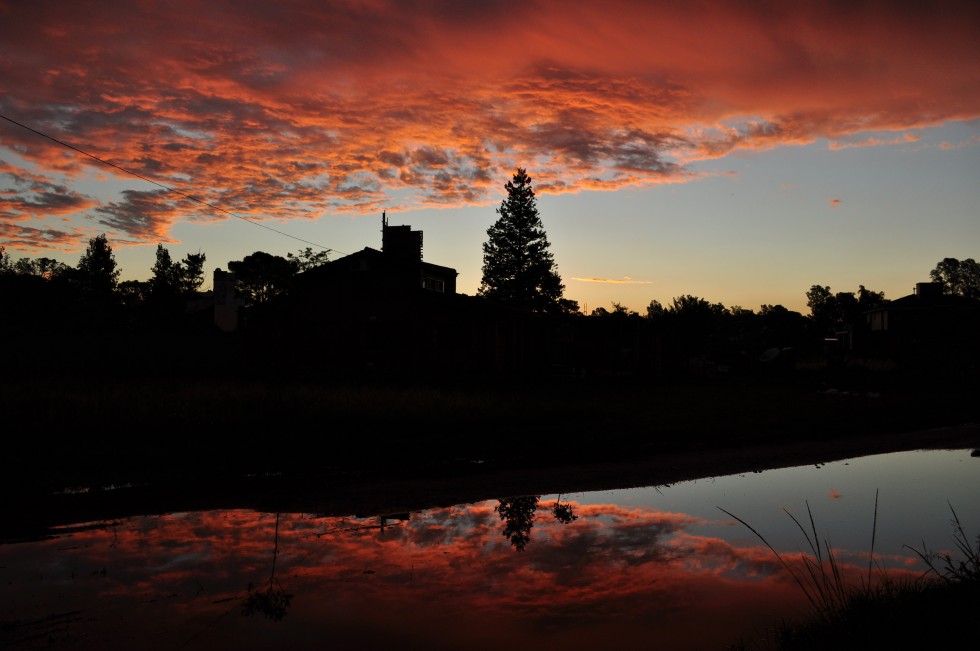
[[225, 301], [928, 291], [400, 242]]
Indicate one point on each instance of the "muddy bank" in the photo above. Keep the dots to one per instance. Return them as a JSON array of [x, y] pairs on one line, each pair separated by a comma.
[[453, 483], [367, 490]]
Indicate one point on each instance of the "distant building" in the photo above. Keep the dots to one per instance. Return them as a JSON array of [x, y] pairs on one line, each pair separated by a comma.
[[226, 302], [927, 328]]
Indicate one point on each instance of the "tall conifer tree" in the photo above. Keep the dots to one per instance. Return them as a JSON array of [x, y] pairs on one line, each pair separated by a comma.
[[517, 265]]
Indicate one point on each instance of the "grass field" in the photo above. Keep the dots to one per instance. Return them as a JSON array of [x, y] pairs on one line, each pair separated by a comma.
[[67, 430]]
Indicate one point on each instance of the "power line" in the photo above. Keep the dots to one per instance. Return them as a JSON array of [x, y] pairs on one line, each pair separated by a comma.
[[161, 185]]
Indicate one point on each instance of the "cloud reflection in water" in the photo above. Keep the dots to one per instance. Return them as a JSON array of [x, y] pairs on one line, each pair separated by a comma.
[[611, 576]]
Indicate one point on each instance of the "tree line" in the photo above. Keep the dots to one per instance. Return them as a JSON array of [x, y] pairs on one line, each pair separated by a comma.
[[518, 270], [94, 281], [518, 267]]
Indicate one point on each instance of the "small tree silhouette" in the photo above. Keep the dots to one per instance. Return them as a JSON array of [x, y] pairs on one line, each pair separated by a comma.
[[518, 516], [272, 601], [563, 512]]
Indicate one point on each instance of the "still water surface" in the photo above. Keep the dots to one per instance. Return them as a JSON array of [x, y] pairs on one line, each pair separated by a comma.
[[645, 568]]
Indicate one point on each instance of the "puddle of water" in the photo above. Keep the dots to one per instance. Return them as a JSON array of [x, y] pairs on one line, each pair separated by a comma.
[[641, 568]]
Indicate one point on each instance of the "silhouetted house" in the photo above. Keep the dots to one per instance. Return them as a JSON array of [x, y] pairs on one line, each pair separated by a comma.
[[927, 328], [389, 311], [394, 270]]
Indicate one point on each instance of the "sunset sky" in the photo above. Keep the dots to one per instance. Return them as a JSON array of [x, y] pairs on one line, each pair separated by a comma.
[[737, 151]]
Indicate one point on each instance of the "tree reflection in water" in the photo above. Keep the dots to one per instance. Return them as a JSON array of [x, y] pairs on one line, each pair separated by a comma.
[[518, 516], [272, 601], [563, 512]]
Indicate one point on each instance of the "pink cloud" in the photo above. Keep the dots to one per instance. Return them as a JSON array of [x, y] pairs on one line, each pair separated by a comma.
[[30, 195], [291, 112]]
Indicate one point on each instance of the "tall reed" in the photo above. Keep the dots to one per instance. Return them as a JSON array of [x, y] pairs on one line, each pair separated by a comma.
[[822, 581], [944, 566], [895, 614]]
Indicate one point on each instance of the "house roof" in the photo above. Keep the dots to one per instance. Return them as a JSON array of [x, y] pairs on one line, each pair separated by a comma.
[[917, 302], [372, 268], [379, 258]]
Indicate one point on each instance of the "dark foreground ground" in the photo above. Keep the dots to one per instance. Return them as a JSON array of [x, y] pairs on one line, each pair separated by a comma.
[[389, 447]]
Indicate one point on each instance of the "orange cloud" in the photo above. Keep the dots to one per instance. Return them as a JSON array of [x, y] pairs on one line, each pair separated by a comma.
[[29, 195], [620, 281], [950, 146], [291, 113], [873, 142]]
